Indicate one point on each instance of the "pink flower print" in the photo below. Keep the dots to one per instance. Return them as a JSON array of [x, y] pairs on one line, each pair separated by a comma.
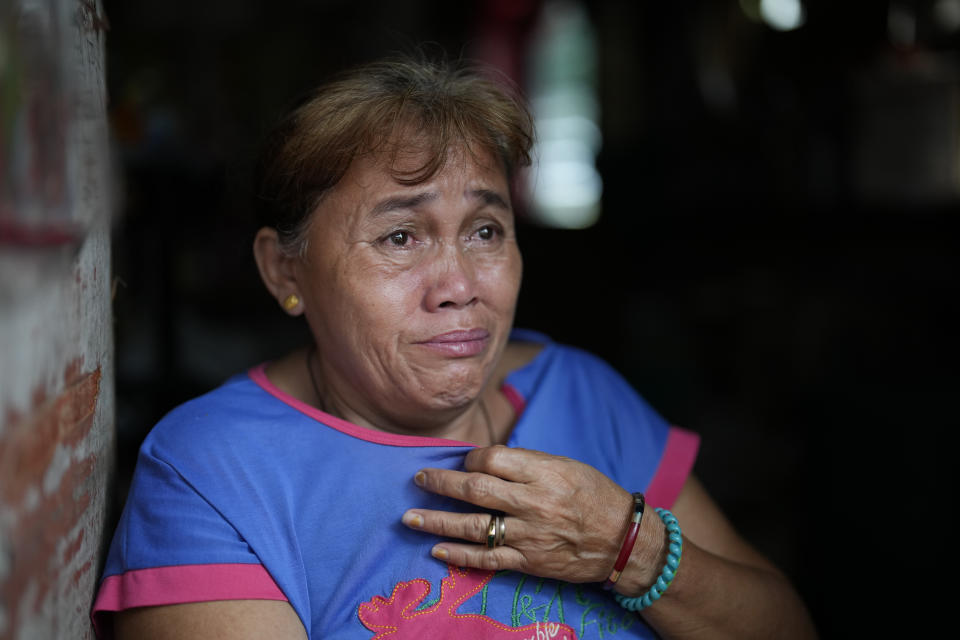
[[397, 617]]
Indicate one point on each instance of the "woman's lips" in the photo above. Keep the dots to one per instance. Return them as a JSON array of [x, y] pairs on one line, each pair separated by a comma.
[[460, 343]]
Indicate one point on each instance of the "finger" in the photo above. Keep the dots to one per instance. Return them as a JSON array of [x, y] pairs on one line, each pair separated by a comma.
[[470, 555], [472, 527], [514, 464], [481, 489], [503, 462]]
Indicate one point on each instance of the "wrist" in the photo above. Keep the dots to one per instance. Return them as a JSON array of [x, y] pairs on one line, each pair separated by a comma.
[[646, 560], [667, 574], [629, 540]]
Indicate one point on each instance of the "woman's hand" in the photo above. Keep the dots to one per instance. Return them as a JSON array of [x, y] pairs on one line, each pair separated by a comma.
[[564, 519]]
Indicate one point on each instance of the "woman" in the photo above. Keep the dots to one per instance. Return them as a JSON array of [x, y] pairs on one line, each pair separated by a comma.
[[359, 487]]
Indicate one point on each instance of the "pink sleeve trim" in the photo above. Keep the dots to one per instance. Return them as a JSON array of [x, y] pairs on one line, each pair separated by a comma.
[[259, 376], [675, 466], [180, 584]]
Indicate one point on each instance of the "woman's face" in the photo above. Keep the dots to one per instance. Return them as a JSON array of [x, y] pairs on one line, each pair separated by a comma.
[[410, 291]]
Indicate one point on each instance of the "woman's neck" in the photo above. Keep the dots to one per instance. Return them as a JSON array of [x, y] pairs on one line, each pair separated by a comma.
[[486, 420], [471, 422]]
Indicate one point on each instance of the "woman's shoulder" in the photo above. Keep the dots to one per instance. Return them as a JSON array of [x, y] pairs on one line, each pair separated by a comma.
[[563, 376], [519, 353], [238, 406], [531, 354]]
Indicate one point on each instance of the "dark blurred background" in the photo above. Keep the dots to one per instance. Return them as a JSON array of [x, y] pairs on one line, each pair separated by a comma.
[[774, 264]]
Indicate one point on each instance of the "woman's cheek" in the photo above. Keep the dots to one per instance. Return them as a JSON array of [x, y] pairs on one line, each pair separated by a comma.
[[401, 292], [502, 276]]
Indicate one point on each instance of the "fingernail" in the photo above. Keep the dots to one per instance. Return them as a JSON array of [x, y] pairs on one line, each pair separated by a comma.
[[413, 520], [439, 553], [420, 479]]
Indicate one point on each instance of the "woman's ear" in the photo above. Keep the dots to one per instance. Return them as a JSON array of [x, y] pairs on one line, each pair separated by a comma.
[[277, 270]]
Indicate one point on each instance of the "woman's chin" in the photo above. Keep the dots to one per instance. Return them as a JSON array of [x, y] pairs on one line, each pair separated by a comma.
[[443, 402], [453, 377]]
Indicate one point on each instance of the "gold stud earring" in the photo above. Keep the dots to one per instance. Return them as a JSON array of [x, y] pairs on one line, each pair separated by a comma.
[[291, 301]]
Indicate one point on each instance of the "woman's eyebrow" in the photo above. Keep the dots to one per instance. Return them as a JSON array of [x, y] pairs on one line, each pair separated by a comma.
[[402, 202], [489, 197]]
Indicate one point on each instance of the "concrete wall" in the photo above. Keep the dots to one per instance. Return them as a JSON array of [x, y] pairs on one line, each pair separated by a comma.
[[56, 350]]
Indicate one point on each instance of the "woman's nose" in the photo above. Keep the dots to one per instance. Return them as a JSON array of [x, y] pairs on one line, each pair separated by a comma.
[[453, 282]]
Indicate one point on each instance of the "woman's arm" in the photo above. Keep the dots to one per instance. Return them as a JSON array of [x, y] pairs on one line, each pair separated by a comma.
[[724, 587], [566, 520], [219, 620]]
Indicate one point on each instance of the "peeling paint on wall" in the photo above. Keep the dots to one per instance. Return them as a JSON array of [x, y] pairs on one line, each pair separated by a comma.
[[56, 350]]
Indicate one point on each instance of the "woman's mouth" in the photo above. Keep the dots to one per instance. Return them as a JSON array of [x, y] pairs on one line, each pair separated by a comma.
[[460, 343]]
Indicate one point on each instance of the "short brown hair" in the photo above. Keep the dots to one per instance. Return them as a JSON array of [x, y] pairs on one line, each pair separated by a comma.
[[376, 108]]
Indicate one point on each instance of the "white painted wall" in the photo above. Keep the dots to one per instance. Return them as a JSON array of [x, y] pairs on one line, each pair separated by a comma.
[[56, 348]]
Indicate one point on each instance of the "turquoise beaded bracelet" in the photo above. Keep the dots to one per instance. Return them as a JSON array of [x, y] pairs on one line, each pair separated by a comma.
[[675, 548]]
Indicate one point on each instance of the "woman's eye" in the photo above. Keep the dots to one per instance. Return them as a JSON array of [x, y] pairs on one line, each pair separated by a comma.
[[486, 232], [399, 238]]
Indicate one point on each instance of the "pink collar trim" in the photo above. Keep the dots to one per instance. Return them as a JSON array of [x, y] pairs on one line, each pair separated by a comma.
[[259, 376]]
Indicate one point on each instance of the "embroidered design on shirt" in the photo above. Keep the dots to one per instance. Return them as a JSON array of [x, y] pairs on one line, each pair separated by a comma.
[[398, 617]]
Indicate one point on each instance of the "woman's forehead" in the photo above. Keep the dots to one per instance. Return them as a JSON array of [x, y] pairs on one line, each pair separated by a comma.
[[371, 190], [407, 157], [385, 172]]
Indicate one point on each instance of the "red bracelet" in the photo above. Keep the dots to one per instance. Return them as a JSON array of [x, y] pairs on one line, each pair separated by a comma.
[[639, 502]]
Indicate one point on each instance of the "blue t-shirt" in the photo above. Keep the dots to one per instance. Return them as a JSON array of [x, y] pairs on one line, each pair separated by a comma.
[[245, 492]]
